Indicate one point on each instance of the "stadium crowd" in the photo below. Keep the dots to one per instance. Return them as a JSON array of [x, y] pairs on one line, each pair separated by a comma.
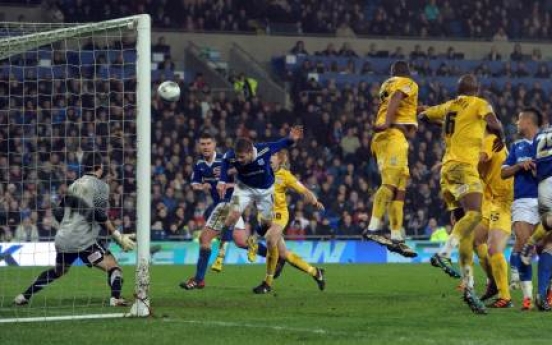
[[498, 20], [42, 139], [42, 136]]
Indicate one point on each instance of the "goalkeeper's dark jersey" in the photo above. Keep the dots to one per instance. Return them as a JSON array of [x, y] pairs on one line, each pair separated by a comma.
[[80, 212]]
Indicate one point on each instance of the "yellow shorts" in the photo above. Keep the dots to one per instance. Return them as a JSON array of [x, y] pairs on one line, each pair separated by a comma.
[[458, 180], [501, 216], [391, 151], [486, 206], [281, 217]]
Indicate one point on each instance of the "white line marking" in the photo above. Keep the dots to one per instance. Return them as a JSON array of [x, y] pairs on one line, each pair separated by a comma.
[[250, 325], [62, 318]]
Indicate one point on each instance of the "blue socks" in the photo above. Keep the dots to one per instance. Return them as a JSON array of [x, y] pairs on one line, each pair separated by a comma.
[[202, 263], [262, 250], [544, 273], [525, 271]]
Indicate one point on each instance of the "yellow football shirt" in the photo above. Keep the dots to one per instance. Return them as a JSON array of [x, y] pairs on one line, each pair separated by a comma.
[[464, 126], [406, 112], [490, 170], [285, 180]]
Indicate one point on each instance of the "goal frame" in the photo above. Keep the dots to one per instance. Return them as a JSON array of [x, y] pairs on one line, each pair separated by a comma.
[[142, 24]]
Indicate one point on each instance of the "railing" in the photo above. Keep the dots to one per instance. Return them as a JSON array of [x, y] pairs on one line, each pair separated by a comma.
[[242, 61], [197, 63]]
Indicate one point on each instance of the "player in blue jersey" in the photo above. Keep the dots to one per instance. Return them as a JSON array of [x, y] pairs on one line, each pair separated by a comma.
[[525, 213], [255, 185], [207, 171], [542, 153]]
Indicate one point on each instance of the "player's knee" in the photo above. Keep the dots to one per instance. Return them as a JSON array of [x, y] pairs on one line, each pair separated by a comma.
[[473, 217], [546, 221], [113, 274]]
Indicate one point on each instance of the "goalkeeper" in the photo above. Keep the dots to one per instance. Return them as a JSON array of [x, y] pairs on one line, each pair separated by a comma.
[[81, 214]]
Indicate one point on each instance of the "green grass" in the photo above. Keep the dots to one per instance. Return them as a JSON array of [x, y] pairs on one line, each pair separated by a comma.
[[363, 304]]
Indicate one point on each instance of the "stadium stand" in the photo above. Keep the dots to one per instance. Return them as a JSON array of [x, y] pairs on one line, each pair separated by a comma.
[[335, 98]]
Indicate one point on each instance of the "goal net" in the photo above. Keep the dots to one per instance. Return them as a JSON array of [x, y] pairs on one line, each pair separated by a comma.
[[66, 90]]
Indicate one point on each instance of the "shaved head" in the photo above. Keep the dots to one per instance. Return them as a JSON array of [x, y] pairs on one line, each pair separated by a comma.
[[468, 85], [400, 68]]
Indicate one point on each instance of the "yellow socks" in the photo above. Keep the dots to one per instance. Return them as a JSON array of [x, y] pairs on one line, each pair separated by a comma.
[[500, 274], [382, 199], [396, 218], [483, 254], [296, 261], [464, 228], [538, 235], [271, 262]]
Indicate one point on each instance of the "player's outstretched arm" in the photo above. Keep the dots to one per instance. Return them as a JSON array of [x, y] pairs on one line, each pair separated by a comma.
[[125, 241]]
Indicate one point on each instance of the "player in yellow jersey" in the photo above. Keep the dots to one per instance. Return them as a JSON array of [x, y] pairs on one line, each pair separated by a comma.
[[396, 119], [499, 225], [464, 121], [284, 181]]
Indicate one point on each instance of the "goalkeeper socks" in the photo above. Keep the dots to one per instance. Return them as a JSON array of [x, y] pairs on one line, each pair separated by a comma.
[[396, 219], [115, 281], [202, 263], [271, 262], [483, 255], [500, 274], [382, 199], [41, 281], [297, 262], [262, 250]]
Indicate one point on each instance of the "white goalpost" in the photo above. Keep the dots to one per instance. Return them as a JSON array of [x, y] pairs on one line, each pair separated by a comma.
[[66, 90]]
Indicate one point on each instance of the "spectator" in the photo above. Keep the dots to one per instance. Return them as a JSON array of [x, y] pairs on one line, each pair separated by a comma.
[[431, 11], [441, 234], [349, 144], [494, 55], [398, 54], [344, 31], [500, 35], [347, 227], [347, 51], [536, 55], [162, 47], [417, 53], [372, 52], [543, 72], [245, 86], [329, 51], [517, 54], [26, 231], [431, 227], [299, 49]]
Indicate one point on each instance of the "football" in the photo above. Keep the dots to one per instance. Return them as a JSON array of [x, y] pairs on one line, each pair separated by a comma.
[[169, 91]]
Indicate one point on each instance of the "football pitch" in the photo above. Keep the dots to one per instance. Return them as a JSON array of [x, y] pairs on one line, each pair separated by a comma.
[[362, 304]]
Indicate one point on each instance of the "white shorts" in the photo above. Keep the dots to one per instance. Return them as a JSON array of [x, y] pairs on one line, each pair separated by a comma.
[[218, 217], [545, 196], [243, 196], [526, 210]]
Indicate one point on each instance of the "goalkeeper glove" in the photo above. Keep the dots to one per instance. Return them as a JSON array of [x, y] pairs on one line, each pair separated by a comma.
[[125, 241]]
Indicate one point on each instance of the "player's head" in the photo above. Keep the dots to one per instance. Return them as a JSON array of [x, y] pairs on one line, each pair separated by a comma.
[[280, 160], [243, 149], [207, 144], [529, 121], [92, 163], [468, 85], [400, 68]]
